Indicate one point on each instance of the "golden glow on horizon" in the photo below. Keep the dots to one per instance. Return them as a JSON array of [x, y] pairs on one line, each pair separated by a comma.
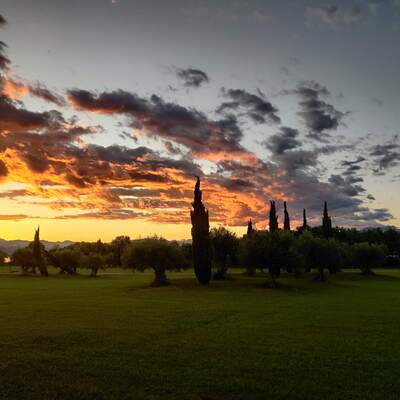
[[91, 230]]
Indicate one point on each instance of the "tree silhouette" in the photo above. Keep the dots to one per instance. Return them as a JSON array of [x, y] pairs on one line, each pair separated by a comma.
[[200, 238], [305, 225], [250, 229], [326, 222], [38, 258], [286, 223], [273, 219], [118, 246], [225, 247]]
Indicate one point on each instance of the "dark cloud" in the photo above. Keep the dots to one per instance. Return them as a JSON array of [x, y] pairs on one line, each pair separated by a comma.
[[11, 194], [352, 169], [39, 90], [170, 121], [14, 217], [4, 60], [257, 108], [334, 15], [3, 21], [3, 169], [371, 216], [286, 139], [319, 116], [347, 185], [386, 156], [14, 117], [113, 214], [358, 160], [192, 77]]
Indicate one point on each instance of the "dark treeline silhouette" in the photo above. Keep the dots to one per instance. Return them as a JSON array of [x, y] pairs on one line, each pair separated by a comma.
[[321, 248]]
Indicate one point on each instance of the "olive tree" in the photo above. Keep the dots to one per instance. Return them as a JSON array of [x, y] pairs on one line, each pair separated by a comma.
[[369, 255], [155, 253], [66, 260], [92, 261], [224, 249]]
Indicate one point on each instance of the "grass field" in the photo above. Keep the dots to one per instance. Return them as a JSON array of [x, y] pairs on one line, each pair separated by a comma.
[[115, 338]]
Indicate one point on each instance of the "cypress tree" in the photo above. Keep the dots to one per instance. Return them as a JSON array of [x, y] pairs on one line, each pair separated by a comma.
[[200, 238], [305, 226], [326, 222], [273, 219], [38, 255], [250, 228], [286, 223]]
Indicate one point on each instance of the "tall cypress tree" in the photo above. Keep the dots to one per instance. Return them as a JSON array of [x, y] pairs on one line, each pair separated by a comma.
[[200, 238], [305, 225], [38, 255], [249, 228], [286, 222], [326, 222], [273, 219]]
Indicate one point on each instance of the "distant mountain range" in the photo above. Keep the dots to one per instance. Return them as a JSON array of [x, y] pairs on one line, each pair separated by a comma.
[[9, 246]]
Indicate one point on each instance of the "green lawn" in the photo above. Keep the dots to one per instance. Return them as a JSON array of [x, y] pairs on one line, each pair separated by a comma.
[[115, 338]]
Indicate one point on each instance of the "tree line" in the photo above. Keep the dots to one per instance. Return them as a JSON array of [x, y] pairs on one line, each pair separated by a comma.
[[324, 249]]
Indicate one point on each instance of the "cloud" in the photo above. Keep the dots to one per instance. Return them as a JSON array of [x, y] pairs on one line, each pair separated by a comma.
[[156, 118], [39, 90], [319, 116], [358, 160], [14, 117], [334, 15], [3, 21], [192, 77], [14, 217], [348, 185], [4, 60], [386, 156], [57, 166], [285, 139], [257, 108], [3, 169], [115, 214]]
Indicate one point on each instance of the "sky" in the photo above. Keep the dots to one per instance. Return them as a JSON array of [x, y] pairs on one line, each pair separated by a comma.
[[109, 109]]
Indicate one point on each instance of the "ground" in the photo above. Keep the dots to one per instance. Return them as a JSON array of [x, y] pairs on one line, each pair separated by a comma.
[[115, 338]]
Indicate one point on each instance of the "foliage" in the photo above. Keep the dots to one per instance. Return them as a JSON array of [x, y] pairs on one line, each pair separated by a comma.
[[224, 250], [38, 255], [286, 221], [155, 253], [118, 246], [67, 260], [93, 261], [368, 256], [326, 222], [200, 238], [273, 218], [23, 257]]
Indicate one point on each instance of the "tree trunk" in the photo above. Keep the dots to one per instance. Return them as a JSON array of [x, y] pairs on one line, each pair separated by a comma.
[[250, 271], [160, 278], [272, 283], [321, 277], [93, 274]]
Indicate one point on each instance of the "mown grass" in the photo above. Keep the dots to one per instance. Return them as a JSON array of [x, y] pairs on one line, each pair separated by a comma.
[[115, 338]]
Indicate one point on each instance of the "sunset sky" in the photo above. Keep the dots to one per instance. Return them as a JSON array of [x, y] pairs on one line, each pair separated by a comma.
[[109, 109]]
